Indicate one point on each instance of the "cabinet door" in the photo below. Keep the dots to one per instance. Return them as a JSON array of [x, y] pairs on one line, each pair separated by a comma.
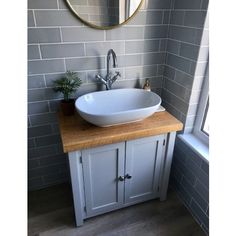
[[143, 161], [102, 167]]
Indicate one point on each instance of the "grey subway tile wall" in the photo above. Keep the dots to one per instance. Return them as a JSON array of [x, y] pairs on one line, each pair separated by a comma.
[[190, 178], [125, 33], [149, 18], [43, 35], [40, 130], [158, 4], [62, 51], [42, 4], [38, 107], [81, 34], [45, 66], [195, 18], [142, 46], [30, 20], [86, 63], [177, 17], [46, 18], [186, 4], [58, 41], [33, 52], [101, 48], [36, 81], [186, 61], [186, 56]]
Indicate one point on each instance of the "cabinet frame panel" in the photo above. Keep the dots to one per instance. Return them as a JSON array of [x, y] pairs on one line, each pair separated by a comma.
[[130, 145], [88, 186], [76, 173]]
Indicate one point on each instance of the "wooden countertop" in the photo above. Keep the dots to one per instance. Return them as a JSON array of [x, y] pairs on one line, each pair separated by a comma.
[[78, 134]]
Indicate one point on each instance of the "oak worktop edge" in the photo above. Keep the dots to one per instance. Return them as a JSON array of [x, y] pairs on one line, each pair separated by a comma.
[[77, 134]]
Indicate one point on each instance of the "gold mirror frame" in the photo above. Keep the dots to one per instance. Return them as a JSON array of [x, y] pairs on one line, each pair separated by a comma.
[[103, 27]]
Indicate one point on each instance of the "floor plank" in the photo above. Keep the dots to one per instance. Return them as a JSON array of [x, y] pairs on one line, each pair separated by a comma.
[[50, 213]]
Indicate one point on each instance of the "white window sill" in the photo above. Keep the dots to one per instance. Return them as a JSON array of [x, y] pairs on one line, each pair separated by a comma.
[[196, 145]]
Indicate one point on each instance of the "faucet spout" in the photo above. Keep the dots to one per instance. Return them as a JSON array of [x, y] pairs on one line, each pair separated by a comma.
[[109, 79], [114, 58]]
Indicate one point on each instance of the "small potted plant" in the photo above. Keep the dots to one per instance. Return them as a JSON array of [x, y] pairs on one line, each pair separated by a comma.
[[67, 85]]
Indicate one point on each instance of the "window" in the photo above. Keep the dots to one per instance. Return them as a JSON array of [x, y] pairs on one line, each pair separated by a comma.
[[201, 126], [205, 123]]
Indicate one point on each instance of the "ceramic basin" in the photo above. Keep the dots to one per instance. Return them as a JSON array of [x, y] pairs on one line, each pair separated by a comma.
[[118, 106]]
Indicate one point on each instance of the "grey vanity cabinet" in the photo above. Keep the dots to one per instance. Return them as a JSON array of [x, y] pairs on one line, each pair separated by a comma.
[[117, 175], [142, 166], [102, 167], [121, 174]]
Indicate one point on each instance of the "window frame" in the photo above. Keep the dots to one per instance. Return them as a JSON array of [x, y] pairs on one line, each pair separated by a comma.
[[201, 112]]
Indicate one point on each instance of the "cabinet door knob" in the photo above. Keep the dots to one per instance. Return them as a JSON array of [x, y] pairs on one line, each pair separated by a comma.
[[127, 176], [121, 178]]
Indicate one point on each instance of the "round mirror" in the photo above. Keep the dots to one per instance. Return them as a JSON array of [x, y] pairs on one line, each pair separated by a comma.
[[104, 14]]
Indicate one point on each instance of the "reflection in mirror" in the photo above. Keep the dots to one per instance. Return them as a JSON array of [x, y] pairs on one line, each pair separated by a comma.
[[104, 13]]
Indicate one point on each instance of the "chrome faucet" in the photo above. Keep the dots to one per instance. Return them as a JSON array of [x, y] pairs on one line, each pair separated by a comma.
[[109, 79]]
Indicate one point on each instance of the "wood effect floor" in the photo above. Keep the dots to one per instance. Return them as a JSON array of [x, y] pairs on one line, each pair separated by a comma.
[[50, 213]]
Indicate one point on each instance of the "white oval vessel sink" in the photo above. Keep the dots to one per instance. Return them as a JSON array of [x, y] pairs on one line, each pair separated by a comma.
[[118, 106]]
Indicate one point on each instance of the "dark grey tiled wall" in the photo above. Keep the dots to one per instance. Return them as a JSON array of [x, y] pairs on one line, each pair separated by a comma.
[[190, 178], [58, 41], [186, 59], [185, 70]]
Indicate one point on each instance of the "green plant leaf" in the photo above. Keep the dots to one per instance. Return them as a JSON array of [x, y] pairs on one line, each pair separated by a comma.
[[67, 84]]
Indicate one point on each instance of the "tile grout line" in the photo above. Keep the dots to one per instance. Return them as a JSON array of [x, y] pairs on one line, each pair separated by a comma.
[[106, 41], [35, 26], [89, 83], [125, 27], [44, 79], [176, 96], [58, 4], [82, 26], [89, 70], [181, 113], [40, 52], [178, 83], [188, 206], [186, 58], [103, 56]]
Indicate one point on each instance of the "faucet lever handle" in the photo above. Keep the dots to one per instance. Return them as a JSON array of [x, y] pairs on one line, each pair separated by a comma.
[[118, 73], [100, 78]]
